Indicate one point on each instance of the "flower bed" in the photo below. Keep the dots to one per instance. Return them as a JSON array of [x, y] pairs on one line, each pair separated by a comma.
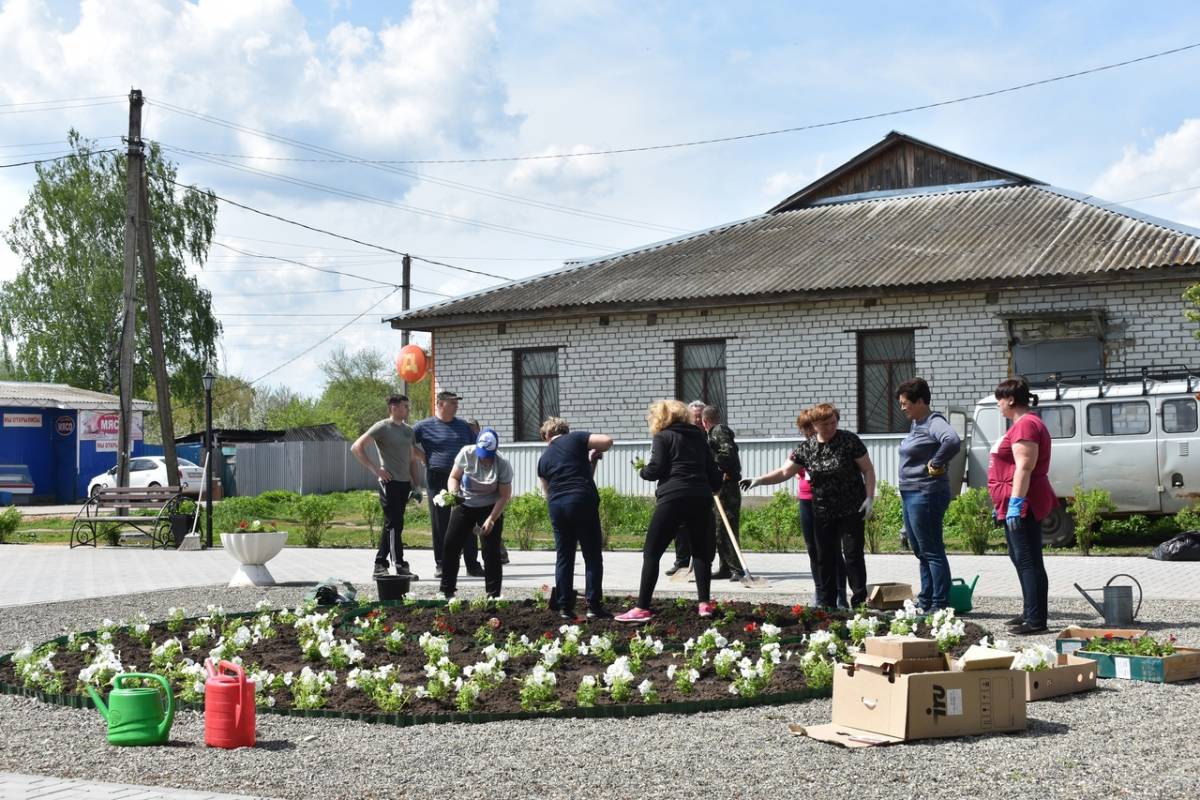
[[427, 661]]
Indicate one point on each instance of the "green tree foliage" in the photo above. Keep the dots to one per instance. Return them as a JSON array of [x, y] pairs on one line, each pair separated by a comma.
[[61, 313], [887, 519], [1087, 507]]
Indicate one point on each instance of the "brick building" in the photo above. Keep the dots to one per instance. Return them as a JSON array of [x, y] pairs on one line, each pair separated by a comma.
[[908, 259]]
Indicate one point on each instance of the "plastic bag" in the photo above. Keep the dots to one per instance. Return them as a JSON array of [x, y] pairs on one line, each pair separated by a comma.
[[1184, 547], [332, 591]]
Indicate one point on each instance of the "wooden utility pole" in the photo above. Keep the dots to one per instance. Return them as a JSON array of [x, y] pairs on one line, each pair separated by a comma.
[[154, 320], [133, 184], [405, 290]]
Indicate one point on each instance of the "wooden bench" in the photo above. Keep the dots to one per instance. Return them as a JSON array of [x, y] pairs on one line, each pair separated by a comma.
[[100, 510]]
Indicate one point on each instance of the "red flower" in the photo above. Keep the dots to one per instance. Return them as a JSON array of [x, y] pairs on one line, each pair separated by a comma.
[[798, 610], [494, 623], [751, 627], [820, 615], [547, 635], [243, 525], [1108, 636], [387, 628]]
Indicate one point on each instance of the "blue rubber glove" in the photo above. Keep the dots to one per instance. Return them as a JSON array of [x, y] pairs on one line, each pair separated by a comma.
[[1015, 506]]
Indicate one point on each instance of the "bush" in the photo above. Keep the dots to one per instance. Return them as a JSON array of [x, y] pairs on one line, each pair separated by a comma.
[[969, 518], [776, 525], [887, 519], [622, 515], [228, 513], [314, 512], [526, 515], [279, 497], [10, 520], [111, 533], [1087, 506], [1188, 519], [372, 511]]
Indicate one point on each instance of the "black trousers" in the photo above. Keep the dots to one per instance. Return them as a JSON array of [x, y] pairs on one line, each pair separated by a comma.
[[814, 567], [439, 520], [461, 529], [393, 496], [695, 515], [847, 534]]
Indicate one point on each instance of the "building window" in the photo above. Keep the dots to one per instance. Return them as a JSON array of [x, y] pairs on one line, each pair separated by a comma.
[[535, 384], [885, 360], [1059, 346], [700, 372]]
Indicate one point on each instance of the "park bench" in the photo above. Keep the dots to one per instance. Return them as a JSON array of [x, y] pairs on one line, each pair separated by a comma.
[[101, 509]]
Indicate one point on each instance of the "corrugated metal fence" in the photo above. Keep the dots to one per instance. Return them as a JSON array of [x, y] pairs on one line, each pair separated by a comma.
[[320, 467]]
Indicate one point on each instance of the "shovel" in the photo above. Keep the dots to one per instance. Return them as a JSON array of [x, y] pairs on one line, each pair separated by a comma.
[[748, 580], [683, 575]]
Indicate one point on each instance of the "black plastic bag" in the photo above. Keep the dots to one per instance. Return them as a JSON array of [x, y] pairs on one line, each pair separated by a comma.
[[332, 591], [1184, 547]]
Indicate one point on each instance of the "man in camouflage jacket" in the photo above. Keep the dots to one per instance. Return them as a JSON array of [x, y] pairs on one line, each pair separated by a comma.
[[725, 452]]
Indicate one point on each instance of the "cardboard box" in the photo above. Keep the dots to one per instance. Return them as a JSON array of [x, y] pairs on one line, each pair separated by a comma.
[[871, 707], [979, 657], [1182, 666], [888, 596], [1073, 674], [1074, 637], [901, 666], [900, 647]]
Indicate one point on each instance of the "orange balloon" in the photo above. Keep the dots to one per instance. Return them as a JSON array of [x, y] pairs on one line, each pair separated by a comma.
[[411, 363]]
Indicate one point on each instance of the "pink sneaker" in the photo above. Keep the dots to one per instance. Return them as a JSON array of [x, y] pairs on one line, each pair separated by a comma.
[[707, 609], [635, 614]]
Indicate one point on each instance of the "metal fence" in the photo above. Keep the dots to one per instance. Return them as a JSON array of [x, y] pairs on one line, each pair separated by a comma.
[[321, 467]]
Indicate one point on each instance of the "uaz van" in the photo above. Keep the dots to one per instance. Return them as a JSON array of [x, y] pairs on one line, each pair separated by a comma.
[[1131, 438]]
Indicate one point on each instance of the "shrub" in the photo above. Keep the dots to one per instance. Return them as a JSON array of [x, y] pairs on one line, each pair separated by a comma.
[[1086, 507], [526, 515], [279, 497], [228, 513], [372, 511], [314, 512], [887, 518], [111, 533], [622, 515], [776, 525], [10, 520], [970, 518], [1188, 519]]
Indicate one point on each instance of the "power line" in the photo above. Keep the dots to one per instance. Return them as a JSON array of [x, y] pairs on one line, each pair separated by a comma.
[[1150, 196], [287, 293], [114, 97], [61, 108], [366, 254], [59, 158], [798, 128], [324, 339]]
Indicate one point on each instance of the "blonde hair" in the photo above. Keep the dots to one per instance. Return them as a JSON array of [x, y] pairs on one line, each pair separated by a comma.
[[553, 426], [662, 413], [823, 411]]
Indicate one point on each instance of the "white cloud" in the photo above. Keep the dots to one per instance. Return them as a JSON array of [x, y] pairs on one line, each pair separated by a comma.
[[1169, 164], [781, 184], [572, 179]]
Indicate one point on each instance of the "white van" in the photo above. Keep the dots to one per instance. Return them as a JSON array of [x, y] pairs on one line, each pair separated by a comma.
[[1132, 438]]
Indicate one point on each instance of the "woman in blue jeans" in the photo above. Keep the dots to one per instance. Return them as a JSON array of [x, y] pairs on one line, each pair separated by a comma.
[[565, 473], [925, 489]]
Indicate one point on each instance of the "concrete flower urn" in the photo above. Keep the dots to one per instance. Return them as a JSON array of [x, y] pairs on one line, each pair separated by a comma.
[[253, 550]]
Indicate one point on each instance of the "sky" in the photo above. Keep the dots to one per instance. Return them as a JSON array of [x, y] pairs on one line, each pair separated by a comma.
[[270, 103]]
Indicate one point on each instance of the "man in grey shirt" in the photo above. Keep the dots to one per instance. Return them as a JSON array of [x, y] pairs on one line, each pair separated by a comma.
[[397, 473]]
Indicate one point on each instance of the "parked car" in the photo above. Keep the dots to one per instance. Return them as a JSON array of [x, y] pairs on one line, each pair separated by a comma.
[[1132, 438], [152, 471]]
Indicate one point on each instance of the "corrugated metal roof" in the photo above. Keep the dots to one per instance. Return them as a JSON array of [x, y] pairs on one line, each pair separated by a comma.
[[60, 395], [928, 237]]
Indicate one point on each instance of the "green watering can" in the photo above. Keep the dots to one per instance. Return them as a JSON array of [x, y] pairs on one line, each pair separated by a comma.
[[135, 715], [961, 594]]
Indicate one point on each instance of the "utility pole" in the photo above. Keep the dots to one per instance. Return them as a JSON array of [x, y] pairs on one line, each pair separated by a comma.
[[154, 320], [133, 183], [405, 290]]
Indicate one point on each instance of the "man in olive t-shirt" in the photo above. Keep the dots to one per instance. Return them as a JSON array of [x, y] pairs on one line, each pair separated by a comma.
[[397, 474]]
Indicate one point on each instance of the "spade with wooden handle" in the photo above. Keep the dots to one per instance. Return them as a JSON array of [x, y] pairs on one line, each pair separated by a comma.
[[748, 579]]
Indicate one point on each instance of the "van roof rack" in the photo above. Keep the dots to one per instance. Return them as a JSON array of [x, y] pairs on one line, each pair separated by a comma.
[[1106, 378]]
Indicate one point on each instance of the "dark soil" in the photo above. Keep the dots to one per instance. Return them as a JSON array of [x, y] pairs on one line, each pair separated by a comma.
[[674, 624]]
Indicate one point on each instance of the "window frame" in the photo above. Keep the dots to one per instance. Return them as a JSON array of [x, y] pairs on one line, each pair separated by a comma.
[[519, 377], [1059, 407], [1195, 415], [680, 344], [1140, 401], [894, 412]]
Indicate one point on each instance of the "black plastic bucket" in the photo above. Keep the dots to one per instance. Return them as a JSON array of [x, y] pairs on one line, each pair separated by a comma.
[[392, 587]]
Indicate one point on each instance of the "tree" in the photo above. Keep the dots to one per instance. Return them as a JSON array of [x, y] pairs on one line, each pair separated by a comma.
[[61, 314]]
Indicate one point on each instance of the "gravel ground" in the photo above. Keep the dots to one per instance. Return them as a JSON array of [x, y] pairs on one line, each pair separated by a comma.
[[1125, 738]]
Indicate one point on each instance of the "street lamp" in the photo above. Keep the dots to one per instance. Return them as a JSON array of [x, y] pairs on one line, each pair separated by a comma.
[[208, 380]]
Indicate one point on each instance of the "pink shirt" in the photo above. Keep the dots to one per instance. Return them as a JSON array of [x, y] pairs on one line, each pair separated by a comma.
[[803, 487], [1002, 466]]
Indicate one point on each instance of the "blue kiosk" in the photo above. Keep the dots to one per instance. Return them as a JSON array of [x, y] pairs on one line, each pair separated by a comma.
[[54, 438]]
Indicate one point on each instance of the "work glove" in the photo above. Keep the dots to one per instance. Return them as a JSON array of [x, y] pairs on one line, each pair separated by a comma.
[[935, 471], [594, 456], [867, 506], [639, 463], [746, 484], [415, 496], [1016, 507]]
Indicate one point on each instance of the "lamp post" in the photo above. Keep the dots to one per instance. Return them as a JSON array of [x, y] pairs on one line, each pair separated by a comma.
[[209, 379]]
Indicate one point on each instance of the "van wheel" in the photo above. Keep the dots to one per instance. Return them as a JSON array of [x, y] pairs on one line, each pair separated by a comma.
[[1058, 529]]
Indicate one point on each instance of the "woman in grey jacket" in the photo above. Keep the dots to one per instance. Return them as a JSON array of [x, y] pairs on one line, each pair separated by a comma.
[[925, 489]]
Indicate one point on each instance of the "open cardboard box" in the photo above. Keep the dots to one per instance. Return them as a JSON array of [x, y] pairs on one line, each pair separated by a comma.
[[1072, 674], [1182, 666], [888, 596], [876, 704], [1074, 637]]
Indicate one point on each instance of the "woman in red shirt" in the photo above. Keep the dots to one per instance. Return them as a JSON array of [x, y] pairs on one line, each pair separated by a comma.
[[1022, 495]]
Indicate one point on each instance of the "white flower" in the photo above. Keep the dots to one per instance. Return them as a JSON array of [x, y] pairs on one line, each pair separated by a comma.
[[671, 672], [645, 687]]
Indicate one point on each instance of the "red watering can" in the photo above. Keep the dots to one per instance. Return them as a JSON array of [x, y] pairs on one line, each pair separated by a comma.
[[228, 706]]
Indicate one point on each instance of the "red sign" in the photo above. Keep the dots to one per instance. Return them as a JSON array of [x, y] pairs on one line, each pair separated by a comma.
[[64, 425]]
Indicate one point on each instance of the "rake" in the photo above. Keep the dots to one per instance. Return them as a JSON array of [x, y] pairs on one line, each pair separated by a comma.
[[748, 580]]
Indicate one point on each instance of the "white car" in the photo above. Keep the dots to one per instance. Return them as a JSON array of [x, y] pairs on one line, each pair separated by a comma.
[[152, 471]]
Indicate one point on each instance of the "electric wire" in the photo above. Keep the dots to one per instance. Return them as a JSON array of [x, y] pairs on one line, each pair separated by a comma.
[[60, 158]]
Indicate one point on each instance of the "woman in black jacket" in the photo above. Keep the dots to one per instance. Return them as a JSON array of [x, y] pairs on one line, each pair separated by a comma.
[[682, 463]]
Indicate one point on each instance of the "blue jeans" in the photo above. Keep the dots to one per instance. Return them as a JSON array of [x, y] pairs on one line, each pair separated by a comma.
[[576, 519], [923, 515], [1025, 551]]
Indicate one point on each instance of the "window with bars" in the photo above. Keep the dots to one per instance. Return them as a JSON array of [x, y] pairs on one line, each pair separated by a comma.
[[700, 371], [885, 360], [535, 389]]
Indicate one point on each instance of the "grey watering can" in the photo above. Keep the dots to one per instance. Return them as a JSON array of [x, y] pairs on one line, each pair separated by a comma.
[[1118, 610]]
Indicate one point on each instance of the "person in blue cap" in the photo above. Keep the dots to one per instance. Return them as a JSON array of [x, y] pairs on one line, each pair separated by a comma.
[[482, 479]]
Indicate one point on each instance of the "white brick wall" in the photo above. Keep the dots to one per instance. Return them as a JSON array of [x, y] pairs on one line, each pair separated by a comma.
[[783, 357]]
